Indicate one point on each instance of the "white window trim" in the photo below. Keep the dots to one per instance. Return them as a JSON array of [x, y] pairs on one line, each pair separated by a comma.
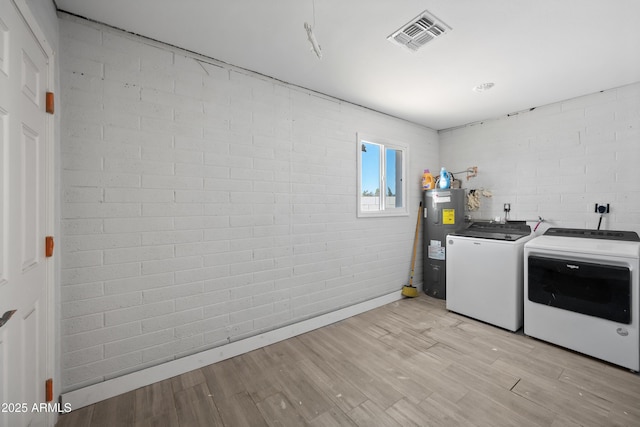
[[386, 143]]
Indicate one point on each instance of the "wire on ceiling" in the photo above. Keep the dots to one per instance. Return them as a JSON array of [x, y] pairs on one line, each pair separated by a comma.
[[315, 46]]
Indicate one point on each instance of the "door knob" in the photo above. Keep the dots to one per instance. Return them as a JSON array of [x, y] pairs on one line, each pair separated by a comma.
[[5, 317]]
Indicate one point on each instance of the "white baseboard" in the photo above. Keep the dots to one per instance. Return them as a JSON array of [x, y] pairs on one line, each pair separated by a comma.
[[95, 393]]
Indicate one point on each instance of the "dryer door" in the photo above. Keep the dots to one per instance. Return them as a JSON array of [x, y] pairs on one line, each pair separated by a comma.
[[598, 290]]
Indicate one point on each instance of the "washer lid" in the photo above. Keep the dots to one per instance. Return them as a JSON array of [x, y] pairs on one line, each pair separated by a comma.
[[495, 231]]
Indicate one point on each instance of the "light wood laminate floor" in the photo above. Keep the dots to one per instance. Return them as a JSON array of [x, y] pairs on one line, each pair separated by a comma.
[[408, 363]]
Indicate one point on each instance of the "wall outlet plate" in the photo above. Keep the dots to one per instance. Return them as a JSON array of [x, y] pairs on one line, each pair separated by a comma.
[[601, 208]]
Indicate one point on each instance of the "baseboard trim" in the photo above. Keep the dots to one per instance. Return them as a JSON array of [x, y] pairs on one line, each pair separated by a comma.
[[95, 393]]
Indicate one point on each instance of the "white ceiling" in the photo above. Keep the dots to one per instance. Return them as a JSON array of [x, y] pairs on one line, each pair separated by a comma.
[[536, 52]]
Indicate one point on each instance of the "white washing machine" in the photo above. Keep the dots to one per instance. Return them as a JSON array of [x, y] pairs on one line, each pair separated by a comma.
[[485, 272], [582, 293]]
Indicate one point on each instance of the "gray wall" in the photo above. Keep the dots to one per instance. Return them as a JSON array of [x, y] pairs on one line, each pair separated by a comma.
[[558, 160], [203, 204]]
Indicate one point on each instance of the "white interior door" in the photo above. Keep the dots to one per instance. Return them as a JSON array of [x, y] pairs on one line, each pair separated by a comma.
[[23, 220]]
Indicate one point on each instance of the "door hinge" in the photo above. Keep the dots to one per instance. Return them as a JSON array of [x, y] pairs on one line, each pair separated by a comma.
[[48, 245], [49, 103], [6, 316], [48, 390]]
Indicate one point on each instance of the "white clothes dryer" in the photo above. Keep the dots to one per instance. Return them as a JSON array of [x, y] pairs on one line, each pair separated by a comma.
[[581, 292]]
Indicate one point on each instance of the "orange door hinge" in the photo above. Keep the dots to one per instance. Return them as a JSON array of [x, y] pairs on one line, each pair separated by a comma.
[[48, 245], [48, 390], [49, 103]]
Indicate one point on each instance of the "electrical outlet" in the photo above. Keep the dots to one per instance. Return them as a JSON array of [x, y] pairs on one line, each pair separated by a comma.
[[507, 207], [602, 209]]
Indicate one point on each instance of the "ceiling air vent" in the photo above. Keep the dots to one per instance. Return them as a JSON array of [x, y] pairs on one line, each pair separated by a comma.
[[419, 31]]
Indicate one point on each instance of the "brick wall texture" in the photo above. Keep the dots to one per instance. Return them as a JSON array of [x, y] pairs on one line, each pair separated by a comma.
[[557, 161], [202, 204]]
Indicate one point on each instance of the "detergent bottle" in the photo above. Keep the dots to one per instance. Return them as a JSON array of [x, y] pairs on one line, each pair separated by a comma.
[[428, 183], [444, 182]]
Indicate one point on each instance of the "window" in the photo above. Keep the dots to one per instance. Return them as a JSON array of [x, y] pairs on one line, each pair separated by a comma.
[[381, 177]]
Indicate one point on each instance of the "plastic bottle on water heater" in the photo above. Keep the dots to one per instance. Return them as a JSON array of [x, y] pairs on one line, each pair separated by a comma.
[[444, 182], [428, 183]]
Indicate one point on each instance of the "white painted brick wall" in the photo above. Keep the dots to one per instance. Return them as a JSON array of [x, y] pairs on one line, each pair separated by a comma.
[[202, 204], [557, 160]]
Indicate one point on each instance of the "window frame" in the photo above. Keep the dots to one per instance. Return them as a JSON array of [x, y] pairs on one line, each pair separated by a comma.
[[385, 144]]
